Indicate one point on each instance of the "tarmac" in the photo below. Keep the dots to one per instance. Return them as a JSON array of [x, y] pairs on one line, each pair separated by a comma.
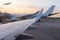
[[46, 30]]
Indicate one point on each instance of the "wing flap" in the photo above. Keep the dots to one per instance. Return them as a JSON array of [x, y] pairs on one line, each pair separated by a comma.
[[25, 36]]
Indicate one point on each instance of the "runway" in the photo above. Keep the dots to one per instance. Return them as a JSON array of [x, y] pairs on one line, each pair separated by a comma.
[[45, 31]]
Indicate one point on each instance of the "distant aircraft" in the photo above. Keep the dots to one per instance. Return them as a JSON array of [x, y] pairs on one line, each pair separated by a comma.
[[7, 3], [46, 14], [12, 30], [49, 12]]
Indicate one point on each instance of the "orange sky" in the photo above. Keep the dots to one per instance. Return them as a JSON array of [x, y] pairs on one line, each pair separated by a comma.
[[19, 10]]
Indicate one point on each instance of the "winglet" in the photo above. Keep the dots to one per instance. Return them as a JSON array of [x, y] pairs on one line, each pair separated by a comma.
[[39, 14]]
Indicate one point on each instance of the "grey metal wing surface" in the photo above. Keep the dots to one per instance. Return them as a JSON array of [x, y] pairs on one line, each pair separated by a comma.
[[17, 27]]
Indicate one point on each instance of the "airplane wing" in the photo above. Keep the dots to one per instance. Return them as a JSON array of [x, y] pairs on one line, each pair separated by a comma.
[[10, 30], [49, 12]]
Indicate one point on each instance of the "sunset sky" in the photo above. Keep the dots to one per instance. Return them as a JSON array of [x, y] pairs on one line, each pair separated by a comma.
[[27, 6]]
